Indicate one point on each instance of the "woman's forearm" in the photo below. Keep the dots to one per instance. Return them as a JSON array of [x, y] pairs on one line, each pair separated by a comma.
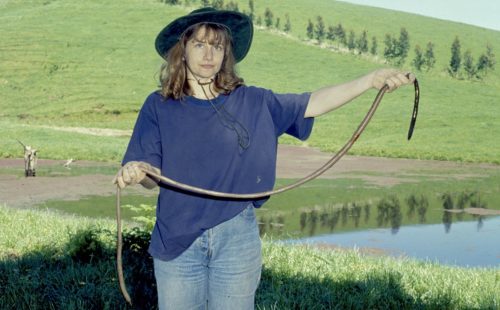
[[332, 97], [329, 98]]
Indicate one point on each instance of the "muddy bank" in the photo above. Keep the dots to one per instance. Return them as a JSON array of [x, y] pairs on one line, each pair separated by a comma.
[[293, 162]]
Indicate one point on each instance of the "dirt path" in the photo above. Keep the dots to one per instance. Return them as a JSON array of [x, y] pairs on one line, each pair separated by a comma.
[[293, 162]]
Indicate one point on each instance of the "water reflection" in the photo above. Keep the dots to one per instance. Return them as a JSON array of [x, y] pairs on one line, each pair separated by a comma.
[[378, 224], [391, 212], [447, 216], [312, 219], [426, 242], [419, 205], [274, 224], [463, 200]]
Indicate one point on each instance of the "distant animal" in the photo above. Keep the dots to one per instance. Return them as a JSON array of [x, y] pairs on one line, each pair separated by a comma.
[[69, 162], [30, 160]]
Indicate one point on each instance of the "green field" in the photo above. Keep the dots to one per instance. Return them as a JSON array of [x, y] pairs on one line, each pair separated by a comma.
[[91, 64]]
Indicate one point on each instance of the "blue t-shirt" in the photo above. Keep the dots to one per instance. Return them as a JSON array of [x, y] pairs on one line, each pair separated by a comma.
[[187, 140]]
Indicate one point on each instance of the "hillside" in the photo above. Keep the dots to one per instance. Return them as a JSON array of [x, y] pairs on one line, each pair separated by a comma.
[[379, 22], [92, 63]]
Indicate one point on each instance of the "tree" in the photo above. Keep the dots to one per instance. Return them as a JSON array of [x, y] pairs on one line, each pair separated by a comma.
[[277, 24], [319, 29], [259, 20], [330, 33], [469, 66], [390, 47], [419, 60], [403, 46], [482, 65], [429, 59], [205, 3], [218, 4], [232, 6], [351, 42], [373, 49], [456, 58], [486, 61], [491, 57], [288, 26], [396, 50], [310, 29], [362, 43], [252, 9], [340, 34], [268, 18]]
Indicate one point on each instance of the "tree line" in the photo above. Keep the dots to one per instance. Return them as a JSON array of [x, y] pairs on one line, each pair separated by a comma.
[[485, 63], [396, 48]]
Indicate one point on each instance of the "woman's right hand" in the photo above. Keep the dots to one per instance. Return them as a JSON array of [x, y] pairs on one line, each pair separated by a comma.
[[133, 173]]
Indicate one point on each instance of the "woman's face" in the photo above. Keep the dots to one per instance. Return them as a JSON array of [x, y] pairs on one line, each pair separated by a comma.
[[204, 54]]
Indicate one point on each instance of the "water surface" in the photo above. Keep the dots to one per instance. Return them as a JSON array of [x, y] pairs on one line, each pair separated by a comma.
[[469, 244]]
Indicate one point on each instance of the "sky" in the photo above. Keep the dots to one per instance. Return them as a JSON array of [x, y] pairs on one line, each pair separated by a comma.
[[482, 13]]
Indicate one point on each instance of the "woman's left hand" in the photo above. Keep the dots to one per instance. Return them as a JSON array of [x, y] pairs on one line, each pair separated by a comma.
[[392, 78]]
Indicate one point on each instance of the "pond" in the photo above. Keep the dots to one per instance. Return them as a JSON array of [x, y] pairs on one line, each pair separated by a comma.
[[399, 226], [473, 243], [448, 213], [450, 217]]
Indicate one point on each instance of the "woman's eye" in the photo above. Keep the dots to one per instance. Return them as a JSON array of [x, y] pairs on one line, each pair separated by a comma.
[[219, 47]]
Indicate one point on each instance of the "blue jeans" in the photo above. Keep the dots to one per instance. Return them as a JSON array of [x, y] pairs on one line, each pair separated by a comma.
[[220, 270]]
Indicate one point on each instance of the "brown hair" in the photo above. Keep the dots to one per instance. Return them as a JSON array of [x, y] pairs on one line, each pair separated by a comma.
[[173, 72]]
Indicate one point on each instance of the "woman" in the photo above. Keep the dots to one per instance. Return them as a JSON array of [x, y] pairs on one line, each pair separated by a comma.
[[207, 129]]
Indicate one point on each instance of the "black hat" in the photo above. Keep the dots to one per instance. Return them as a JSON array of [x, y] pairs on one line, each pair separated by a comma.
[[239, 25]]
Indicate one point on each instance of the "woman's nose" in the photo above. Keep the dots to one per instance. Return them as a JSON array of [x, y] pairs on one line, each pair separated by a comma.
[[209, 52]]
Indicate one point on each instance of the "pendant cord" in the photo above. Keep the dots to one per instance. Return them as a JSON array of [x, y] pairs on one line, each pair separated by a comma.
[[228, 120]]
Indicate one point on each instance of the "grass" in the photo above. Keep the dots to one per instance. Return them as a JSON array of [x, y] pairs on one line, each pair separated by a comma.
[[41, 269], [306, 278], [56, 144], [67, 262], [92, 63]]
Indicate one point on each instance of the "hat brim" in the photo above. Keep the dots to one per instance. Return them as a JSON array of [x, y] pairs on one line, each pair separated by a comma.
[[239, 25]]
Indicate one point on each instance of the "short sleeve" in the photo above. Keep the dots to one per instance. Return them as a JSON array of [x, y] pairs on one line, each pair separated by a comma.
[[287, 112], [145, 143]]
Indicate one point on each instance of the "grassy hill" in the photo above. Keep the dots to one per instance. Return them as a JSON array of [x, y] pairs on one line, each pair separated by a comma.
[[379, 22], [92, 63]]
